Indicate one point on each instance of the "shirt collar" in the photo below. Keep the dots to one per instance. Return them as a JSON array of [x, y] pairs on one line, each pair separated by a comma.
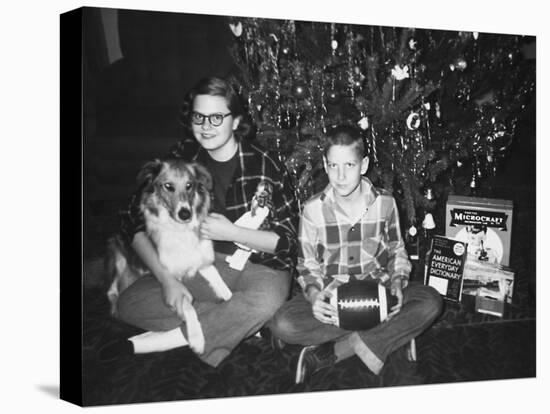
[[369, 192], [202, 155]]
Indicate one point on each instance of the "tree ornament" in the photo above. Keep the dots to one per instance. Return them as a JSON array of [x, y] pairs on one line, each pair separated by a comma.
[[363, 123], [333, 97], [412, 43], [428, 223], [476, 35], [236, 28], [285, 50], [413, 121], [412, 231], [334, 44], [299, 90], [400, 73], [428, 193], [272, 39], [459, 163], [460, 64]]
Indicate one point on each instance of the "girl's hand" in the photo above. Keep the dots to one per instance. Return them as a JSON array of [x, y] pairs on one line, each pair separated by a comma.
[[217, 227]]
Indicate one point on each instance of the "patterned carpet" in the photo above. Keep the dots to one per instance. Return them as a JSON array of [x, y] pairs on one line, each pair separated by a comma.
[[461, 346]]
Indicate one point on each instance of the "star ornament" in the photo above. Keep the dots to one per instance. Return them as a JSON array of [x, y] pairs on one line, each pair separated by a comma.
[[399, 72]]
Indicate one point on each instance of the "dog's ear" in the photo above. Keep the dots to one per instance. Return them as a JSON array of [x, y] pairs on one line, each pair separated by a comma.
[[203, 176], [147, 174]]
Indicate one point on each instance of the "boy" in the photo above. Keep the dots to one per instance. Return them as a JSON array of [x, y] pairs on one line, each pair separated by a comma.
[[351, 230]]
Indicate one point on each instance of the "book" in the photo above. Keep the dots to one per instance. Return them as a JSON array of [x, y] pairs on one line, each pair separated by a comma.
[[445, 267], [484, 223], [491, 284]]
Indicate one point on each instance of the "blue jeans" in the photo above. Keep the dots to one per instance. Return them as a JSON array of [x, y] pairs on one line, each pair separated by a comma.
[[294, 323], [258, 291]]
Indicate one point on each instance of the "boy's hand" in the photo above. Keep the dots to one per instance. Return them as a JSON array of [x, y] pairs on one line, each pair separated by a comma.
[[397, 291], [322, 311]]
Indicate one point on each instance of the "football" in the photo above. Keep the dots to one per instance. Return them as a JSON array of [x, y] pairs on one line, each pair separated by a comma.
[[361, 304]]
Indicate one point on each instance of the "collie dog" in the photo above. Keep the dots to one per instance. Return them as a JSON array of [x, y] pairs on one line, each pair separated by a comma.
[[175, 199]]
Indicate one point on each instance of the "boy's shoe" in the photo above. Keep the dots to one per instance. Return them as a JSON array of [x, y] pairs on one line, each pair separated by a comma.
[[314, 358], [277, 344]]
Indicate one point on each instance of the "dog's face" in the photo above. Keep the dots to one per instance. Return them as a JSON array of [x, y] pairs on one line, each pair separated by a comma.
[[181, 189]]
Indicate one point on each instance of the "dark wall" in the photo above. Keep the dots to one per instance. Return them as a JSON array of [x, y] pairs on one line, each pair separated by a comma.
[[131, 107], [164, 54]]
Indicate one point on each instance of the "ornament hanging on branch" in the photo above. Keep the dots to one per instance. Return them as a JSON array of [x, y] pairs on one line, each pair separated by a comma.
[[459, 64], [299, 90], [400, 73], [236, 28], [333, 97], [363, 123], [413, 121]]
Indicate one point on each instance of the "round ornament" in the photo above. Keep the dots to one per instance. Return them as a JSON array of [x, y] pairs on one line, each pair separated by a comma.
[[361, 304], [299, 90], [333, 97]]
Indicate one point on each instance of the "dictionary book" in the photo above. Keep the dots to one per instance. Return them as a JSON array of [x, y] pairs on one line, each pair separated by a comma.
[[445, 267], [484, 223]]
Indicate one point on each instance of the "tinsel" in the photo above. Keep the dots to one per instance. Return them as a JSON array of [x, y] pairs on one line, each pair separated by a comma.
[[436, 108]]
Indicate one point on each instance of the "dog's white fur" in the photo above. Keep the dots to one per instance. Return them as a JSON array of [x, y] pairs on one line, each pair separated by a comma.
[[174, 201]]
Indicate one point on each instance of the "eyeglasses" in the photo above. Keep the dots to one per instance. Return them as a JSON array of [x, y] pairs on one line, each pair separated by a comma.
[[214, 119]]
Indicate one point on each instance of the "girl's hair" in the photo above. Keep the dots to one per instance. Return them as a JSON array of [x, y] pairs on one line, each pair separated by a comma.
[[345, 135], [217, 87]]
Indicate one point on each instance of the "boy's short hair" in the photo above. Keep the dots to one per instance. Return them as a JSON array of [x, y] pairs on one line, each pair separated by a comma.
[[344, 135]]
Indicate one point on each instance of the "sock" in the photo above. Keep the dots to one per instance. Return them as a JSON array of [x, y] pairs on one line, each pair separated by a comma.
[[158, 341], [343, 349]]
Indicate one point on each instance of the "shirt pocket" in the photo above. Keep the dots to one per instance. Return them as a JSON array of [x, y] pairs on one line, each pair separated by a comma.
[[374, 238]]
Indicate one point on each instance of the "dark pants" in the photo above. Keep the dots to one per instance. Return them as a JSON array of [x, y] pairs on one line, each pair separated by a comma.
[[294, 323], [258, 291]]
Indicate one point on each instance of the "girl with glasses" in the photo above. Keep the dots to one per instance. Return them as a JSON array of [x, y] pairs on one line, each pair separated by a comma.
[[213, 115]]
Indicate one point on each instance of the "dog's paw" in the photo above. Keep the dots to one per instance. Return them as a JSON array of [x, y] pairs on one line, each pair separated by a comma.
[[196, 342], [225, 293]]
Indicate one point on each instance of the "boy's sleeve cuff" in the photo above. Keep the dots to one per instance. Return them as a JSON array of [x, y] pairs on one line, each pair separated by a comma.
[[403, 276]]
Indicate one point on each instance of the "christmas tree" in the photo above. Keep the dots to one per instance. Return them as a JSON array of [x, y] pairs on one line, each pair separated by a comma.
[[437, 109]]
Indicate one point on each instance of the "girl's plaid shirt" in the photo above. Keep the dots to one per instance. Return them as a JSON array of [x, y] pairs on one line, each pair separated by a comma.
[[331, 245], [255, 166]]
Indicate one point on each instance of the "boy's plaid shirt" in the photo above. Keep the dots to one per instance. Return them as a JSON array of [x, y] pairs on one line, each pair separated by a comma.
[[331, 245], [255, 165]]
